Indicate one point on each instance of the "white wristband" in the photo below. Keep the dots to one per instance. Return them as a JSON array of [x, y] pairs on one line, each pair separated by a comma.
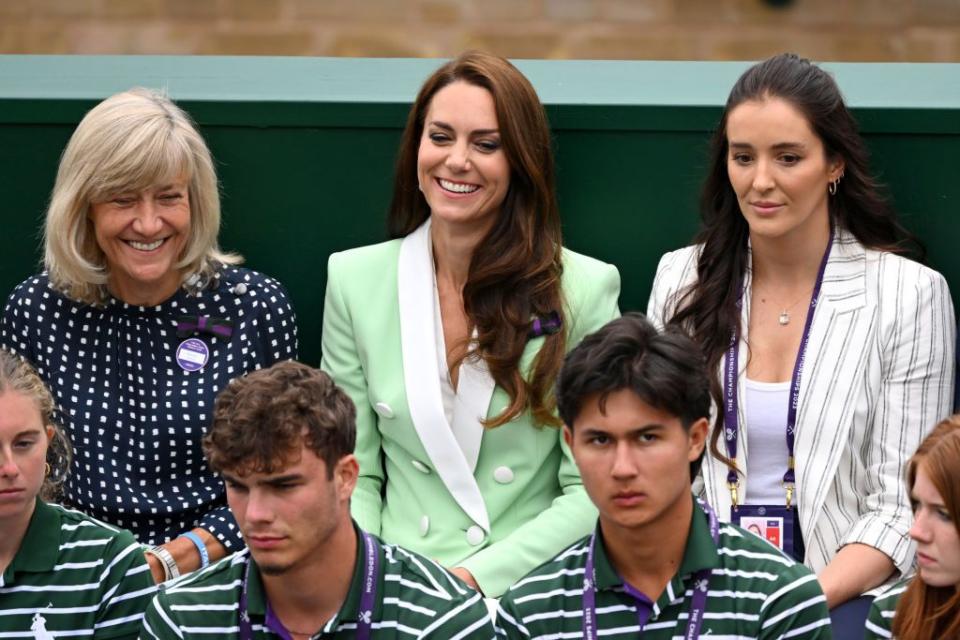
[[170, 569]]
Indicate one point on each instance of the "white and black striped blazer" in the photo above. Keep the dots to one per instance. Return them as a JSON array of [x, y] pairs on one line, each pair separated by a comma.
[[878, 376]]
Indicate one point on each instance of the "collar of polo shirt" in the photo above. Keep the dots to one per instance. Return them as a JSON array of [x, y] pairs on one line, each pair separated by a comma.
[[257, 604], [40, 547], [699, 553]]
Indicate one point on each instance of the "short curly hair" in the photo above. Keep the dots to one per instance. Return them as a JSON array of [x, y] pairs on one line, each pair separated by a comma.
[[261, 419]]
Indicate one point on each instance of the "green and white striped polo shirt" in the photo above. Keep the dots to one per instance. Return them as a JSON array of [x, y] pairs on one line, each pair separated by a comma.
[[755, 592], [74, 576], [416, 598], [880, 619]]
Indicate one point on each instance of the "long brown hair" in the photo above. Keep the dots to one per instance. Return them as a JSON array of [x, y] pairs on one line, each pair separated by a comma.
[[925, 612], [708, 310], [515, 270]]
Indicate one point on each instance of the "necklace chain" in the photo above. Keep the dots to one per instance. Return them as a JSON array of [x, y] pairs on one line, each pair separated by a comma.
[[784, 318]]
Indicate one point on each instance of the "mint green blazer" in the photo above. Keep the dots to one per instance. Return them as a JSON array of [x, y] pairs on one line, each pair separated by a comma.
[[498, 502]]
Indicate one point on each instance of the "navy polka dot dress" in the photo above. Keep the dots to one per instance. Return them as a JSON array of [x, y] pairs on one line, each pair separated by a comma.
[[134, 412]]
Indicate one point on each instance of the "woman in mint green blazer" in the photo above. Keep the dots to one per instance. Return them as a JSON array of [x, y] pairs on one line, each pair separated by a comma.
[[450, 336]]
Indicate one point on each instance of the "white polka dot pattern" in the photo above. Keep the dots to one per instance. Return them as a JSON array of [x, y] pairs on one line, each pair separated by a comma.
[[135, 417]]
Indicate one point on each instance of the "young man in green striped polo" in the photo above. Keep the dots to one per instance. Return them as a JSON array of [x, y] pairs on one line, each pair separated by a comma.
[[636, 405], [282, 438]]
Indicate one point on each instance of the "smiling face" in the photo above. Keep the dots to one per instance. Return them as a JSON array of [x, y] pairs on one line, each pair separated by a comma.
[[461, 165], [142, 236], [23, 454], [935, 532], [288, 515], [778, 169], [634, 459]]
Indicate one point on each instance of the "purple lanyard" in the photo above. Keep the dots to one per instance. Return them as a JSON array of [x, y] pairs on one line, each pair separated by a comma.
[[698, 603], [371, 574], [730, 373]]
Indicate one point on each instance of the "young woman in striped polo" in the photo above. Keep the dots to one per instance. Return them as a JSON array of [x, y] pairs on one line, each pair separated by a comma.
[[927, 606], [63, 574]]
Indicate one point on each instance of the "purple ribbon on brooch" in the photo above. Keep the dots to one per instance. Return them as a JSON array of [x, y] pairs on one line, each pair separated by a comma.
[[217, 327], [545, 325]]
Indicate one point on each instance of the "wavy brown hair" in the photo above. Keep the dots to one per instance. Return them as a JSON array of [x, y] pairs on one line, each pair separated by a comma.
[[17, 376], [708, 310], [925, 612], [515, 270], [261, 419]]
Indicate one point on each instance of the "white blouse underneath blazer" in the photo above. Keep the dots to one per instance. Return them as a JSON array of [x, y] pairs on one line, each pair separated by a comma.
[[877, 378]]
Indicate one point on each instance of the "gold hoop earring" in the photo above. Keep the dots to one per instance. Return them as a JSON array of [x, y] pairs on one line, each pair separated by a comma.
[[47, 470]]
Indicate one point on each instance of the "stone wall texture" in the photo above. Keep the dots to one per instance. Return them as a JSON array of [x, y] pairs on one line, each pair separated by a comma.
[[828, 30]]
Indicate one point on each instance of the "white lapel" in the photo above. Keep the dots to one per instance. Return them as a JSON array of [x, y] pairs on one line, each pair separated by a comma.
[[474, 391], [832, 375], [415, 291]]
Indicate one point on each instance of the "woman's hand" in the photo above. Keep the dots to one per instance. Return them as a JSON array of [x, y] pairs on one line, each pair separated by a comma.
[[186, 554], [466, 576]]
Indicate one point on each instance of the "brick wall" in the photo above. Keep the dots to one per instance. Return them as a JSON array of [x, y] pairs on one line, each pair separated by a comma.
[[849, 30]]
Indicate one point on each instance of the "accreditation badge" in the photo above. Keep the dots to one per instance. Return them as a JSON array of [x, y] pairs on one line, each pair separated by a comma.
[[776, 524]]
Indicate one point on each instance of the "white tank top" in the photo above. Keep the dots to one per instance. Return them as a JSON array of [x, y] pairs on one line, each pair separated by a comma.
[[766, 414]]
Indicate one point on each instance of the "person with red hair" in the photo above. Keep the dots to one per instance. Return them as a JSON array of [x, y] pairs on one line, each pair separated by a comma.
[[927, 606]]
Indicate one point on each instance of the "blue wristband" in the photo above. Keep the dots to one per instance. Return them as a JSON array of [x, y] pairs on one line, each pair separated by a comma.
[[201, 548]]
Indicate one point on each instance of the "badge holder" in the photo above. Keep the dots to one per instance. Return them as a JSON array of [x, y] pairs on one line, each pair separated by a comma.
[[777, 524]]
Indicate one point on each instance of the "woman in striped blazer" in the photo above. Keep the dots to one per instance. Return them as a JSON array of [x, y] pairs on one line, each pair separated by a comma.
[[835, 350]]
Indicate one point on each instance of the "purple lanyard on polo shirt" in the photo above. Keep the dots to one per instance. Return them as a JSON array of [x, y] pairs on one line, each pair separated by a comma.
[[698, 602], [368, 597], [730, 427]]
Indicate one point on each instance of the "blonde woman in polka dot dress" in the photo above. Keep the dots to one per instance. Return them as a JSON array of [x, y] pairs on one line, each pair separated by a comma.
[[139, 320]]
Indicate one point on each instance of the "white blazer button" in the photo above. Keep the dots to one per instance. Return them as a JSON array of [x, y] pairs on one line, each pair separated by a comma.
[[239, 289], [383, 409], [424, 525], [503, 475], [475, 535], [419, 466]]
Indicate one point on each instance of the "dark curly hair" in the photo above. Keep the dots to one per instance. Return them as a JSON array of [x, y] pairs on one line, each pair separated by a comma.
[[261, 419]]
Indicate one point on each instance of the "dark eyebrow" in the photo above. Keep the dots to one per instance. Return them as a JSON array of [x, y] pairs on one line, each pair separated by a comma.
[[229, 478], [778, 147], [789, 145], [29, 432], [290, 477], [476, 132], [647, 428]]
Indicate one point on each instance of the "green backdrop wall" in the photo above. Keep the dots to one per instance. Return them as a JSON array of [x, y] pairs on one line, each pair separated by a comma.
[[305, 150]]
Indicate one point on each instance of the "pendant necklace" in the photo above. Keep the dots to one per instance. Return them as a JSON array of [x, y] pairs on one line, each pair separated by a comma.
[[784, 318]]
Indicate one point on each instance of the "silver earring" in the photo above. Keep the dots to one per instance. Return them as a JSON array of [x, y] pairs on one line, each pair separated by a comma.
[[834, 185]]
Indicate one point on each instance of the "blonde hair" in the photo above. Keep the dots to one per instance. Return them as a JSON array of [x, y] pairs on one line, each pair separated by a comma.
[[129, 142], [17, 376]]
